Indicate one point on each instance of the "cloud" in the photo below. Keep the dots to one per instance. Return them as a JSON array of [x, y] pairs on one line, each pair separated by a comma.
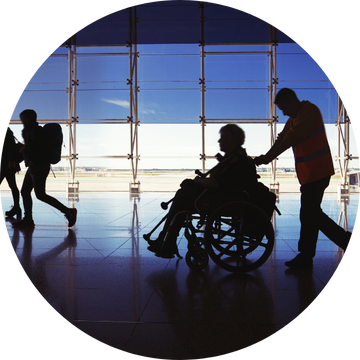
[[123, 103], [148, 112], [126, 104]]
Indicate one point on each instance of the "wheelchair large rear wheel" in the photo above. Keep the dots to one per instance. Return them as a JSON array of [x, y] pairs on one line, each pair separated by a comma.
[[239, 237]]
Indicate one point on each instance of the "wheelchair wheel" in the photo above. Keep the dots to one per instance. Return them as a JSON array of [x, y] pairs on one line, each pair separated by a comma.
[[197, 258], [239, 237]]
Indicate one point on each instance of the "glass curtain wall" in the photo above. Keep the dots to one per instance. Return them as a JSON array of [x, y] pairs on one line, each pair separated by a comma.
[[237, 81]]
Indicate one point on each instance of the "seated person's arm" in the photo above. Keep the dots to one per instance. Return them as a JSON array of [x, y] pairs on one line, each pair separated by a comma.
[[208, 183]]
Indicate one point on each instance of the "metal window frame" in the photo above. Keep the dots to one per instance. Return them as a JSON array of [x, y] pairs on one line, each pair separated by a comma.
[[343, 122], [343, 156]]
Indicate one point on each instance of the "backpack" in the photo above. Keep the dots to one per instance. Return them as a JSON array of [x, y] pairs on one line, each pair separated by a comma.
[[265, 199], [55, 136]]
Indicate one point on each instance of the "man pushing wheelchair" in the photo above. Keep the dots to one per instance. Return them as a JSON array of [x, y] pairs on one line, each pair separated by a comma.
[[235, 172]]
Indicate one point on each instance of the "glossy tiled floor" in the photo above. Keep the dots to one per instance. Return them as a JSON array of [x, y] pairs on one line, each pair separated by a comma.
[[102, 279]]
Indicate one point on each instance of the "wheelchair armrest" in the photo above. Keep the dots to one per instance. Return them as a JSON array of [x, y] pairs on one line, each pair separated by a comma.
[[214, 198]]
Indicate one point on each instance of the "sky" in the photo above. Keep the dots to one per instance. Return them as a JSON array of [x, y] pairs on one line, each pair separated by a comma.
[[170, 102]]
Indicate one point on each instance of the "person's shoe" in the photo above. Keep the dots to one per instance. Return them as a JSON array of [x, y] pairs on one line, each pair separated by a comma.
[[24, 224], [71, 216], [167, 251], [301, 261], [16, 210], [155, 245]]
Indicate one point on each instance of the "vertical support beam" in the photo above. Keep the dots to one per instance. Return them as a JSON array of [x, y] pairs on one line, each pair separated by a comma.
[[72, 186], [343, 161], [274, 186], [343, 157], [347, 155], [70, 97], [136, 118], [338, 124], [202, 86], [133, 119], [73, 116]]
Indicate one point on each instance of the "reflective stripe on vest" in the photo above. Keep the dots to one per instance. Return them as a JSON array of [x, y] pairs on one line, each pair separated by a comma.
[[312, 156]]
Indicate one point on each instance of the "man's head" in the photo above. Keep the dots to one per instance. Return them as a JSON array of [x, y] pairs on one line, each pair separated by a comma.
[[231, 138], [287, 101], [28, 117]]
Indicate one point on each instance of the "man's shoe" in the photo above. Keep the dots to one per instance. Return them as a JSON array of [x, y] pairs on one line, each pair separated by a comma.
[[301, 261], [24, 224], [71, 216]]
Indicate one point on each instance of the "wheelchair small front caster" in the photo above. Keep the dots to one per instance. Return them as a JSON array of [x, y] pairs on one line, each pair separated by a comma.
[[197, 258], [195, 243]]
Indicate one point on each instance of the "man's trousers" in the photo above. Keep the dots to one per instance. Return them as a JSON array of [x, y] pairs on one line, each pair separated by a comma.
[[313, 219]]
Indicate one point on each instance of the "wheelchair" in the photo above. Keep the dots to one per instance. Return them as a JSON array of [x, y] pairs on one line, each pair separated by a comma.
[[232, 230]]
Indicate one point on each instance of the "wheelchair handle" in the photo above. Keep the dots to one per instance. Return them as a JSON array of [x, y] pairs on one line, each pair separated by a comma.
[[199, 173]]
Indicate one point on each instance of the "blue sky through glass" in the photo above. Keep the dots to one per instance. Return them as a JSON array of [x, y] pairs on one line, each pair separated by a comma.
[[168, 79]]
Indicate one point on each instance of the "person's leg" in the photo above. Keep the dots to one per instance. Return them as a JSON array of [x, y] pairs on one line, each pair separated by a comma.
[[310, 214], [14, 189], [16, 210], [323, 222], [39, 180], [334, 232], [183, 201], [26, 189]]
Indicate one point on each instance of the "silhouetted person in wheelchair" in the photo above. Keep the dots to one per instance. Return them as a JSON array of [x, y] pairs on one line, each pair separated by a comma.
[[235, 172]]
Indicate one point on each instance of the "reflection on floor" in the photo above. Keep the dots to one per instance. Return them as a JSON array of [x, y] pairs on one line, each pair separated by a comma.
[[103, 280]]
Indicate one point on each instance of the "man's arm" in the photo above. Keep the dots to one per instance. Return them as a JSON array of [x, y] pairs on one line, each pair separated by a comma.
[[278, 148]]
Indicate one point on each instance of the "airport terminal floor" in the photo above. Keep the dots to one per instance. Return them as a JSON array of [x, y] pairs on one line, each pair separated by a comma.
[[100, 276]]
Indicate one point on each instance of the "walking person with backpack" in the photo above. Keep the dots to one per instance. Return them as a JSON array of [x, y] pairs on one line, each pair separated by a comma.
[[38, 157], [9, 167]]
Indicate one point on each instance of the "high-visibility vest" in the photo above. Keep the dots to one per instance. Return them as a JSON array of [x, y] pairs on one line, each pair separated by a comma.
[[312, 156]]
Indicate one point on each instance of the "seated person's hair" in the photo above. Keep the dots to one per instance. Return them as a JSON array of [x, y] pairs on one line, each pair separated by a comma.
[[235, 131]]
